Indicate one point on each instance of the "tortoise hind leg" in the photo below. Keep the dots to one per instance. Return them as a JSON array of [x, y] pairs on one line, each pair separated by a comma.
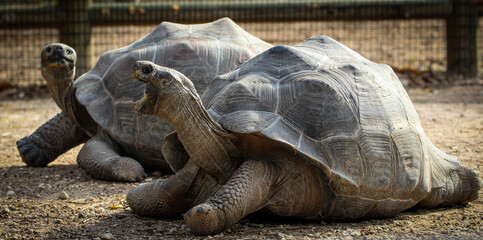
[[462, 186], [172, 197], [284, 188], [100, 158], [50, 140]]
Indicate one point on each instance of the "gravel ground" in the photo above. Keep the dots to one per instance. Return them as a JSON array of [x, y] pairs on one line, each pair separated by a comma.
[[31, 206]]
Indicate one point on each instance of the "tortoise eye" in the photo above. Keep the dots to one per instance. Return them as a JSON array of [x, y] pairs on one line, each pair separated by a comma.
[[69, 51], [146, 69]]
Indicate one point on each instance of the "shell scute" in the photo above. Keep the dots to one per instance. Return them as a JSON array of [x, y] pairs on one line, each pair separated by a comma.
[[313, 106]]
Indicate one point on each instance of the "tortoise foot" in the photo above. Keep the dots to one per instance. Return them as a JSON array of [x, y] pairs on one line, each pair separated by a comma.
[[204, 219], [125, 169], [32, 154]]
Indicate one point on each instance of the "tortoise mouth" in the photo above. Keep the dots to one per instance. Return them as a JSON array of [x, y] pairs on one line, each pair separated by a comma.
[[58, 61], [135, 75]]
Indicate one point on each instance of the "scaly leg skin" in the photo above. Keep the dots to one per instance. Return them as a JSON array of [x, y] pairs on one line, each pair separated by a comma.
[[171, 197], [100, 158], [288, 190], [50, 140]]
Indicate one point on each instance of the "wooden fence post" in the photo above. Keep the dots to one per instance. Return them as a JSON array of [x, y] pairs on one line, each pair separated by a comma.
[[461, 40], [76, 32]]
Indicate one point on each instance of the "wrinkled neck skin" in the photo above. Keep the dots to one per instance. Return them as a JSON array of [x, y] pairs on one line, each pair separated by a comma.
[[60, 84], [206, 142]]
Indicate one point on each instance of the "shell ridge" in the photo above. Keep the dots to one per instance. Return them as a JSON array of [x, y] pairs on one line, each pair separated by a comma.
[[155, 52], [341, 83], [373, 140], [403, 133], [257, 96]]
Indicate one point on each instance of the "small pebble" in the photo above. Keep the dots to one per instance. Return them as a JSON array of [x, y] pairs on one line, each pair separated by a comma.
[[107, 236], [58, 221], [63, 196], [354, 233], [81, 215], [148, 180], [10, 193], [156, 174], [6, 210]]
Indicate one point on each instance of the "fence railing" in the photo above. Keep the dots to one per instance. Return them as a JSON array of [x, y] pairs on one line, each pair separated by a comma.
[[75, 19]]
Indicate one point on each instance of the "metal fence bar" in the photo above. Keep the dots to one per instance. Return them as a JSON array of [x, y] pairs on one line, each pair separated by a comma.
[[462, 44], [461, 39], [184, 12], [76, 31], [192, 12]]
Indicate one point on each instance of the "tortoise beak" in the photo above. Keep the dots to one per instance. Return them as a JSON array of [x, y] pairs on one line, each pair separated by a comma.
[[135, 74]]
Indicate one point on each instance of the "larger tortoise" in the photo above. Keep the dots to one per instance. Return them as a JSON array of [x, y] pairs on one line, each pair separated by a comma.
[[100, 104], [312, 131]]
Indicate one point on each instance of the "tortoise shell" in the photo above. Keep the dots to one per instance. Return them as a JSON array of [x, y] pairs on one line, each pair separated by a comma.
[[346, 116], [199, 51]]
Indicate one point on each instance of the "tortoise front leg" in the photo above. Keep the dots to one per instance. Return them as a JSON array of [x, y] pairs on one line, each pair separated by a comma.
[[50, 140], [100, 158], [283, 188], [246, 191], [171, 197]]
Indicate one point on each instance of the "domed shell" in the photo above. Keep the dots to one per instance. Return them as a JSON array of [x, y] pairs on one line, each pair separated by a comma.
[[346, 116], [199, 51]]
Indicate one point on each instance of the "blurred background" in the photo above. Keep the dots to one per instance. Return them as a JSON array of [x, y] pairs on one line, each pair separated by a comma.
[[429, 41]]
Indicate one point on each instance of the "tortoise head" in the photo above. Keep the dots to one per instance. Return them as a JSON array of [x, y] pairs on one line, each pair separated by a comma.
[[58, 58], [58, 69], [166, 89]]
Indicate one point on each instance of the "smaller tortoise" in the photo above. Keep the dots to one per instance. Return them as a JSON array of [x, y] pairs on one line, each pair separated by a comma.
[[98, 107], [313, 130]]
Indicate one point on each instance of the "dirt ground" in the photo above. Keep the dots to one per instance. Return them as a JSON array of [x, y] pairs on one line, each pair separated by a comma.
[[30, 207]]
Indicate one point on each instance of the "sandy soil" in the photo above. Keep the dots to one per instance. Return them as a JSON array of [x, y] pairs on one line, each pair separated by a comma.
[[30, 207]]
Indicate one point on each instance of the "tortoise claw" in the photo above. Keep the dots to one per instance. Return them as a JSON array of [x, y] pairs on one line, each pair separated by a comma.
[[31, 154]]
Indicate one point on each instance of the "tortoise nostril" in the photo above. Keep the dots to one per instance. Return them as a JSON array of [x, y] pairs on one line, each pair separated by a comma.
[[58, 48]]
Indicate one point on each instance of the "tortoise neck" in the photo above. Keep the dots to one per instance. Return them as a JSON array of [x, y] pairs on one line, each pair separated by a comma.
[[61, 86], [207, 143], [60, 83]]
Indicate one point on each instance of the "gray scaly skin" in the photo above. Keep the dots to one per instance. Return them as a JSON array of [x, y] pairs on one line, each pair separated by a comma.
[[50, 140], [99, 156], [232, 174]]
